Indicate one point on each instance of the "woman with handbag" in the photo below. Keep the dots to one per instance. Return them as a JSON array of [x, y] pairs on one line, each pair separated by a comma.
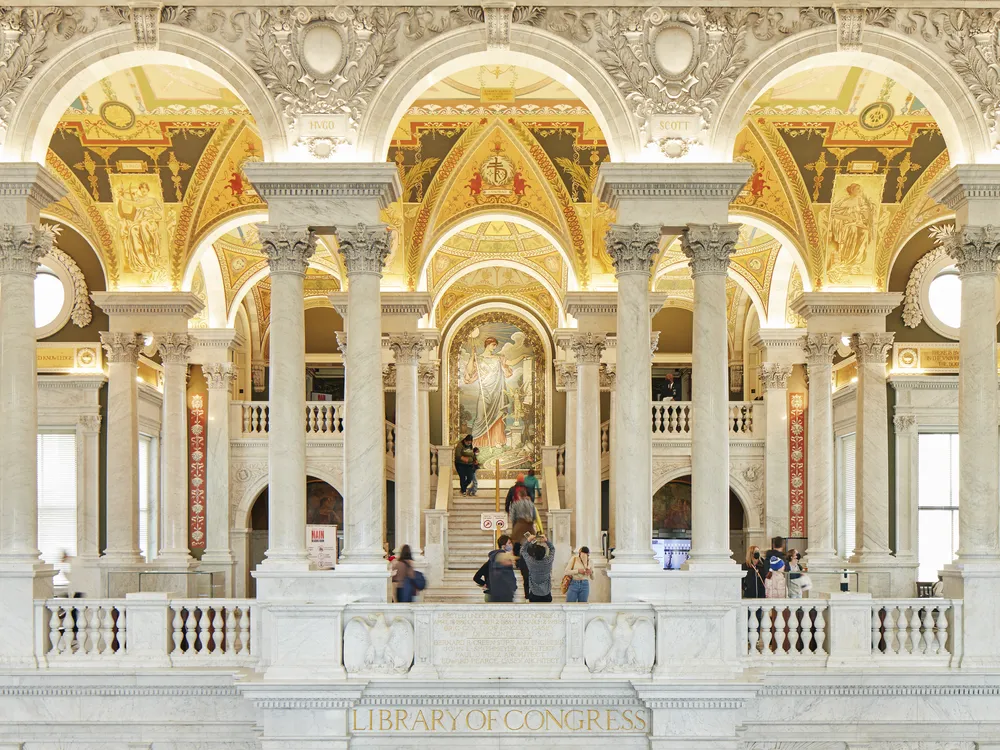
[[577, 577]]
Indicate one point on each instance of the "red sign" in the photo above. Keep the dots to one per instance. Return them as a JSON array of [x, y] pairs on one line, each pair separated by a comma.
[[797, 464], [197, 424]]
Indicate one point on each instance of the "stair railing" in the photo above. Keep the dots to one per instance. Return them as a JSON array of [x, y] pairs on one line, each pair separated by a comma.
[[446, 471]]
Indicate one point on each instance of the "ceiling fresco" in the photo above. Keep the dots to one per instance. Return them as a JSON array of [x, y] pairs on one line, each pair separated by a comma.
[[152, 158], [843, 158], [504, 140], [496, 282]]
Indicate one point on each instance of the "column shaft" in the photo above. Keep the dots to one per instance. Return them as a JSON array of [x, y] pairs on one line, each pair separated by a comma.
[[287, 249], [872, 447], [774, 379], [88, 451], [907, 470], [174, 350], [218, 550], [632, 248], [406, 349], [588, 348], [820, 511], [709, 248], [364, 250]]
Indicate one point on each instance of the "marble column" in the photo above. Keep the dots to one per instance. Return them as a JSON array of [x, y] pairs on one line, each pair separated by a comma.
[[218, 554], [21, 248], [86, 577], [365, 249], [822, 551], [122, 514], [426, 382], [975, 251], [612, 471], [632, 249], [175, 350], [287, 249], [406, 349], [709, 246], [566, 381], [587, 347], [871, 482], [907, 477], [774, 381]]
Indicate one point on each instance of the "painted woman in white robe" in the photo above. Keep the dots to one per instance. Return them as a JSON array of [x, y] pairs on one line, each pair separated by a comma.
[[491, 371]]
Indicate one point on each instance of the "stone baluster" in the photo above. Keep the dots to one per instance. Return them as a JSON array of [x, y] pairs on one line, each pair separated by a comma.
[[407, 349], [287, 249], [218, 553], [822, 553], [632, 249], [365, 249], [709, 246], [175, 350], [122, 351], [774, 380]]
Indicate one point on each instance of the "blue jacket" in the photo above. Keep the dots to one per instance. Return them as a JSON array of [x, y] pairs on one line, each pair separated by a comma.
[[502, 582]]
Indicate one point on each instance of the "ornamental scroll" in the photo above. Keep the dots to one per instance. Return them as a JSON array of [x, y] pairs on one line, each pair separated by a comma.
[[197, 425]]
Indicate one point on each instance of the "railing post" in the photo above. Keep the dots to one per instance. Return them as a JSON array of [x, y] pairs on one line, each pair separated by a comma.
[[849, 631], [435, 544], [148, 629]]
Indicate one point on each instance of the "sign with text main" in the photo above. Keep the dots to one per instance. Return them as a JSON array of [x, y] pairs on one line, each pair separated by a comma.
[[493, 521], [499, 719]]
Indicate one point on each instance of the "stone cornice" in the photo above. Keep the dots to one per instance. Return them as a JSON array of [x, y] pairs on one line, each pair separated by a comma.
[[670, 181], [184, 304], [216, 338], [417, 304], [67, 382], [316, 180], [31, 182], [591, 303], [656, 302], [817, 304], [925, 382], [779, 338], [965, 182]]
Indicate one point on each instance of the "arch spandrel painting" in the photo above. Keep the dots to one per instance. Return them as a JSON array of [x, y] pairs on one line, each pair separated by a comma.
[[497, 391]]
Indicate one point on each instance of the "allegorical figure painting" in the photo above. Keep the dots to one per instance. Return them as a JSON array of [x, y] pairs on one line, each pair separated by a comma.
[[853, 226], [143, 223], [496, 392]]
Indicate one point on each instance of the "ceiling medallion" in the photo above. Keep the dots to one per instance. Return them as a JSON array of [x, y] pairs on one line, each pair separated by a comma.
[[497, 180], [117, 115], [876, 115]]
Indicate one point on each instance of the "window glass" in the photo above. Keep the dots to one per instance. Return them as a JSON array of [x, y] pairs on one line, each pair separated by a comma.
[[945, 297], [145, 500], [937, 503], [56, 467], [49, 297], [847, 451]]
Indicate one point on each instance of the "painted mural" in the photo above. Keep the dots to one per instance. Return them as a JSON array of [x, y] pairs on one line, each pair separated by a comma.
[[497, 391]]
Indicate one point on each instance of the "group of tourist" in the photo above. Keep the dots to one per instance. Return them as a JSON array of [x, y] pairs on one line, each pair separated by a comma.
[[775, 574], [533, 558]]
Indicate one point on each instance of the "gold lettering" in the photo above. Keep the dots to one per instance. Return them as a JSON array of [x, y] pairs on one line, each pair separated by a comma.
[[384, 716], [401, 714], [527, 720], [578, 724], [507, 725], [454, 720], [640, 718], [593, 715], [421, 719], [468, 720], [436, 718], [627, 718], [354, 721], [557, 720], [489, 719], [612, 720]]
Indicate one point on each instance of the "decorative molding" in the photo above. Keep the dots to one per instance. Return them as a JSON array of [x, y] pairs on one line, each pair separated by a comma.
[[736, 377], [122, 347], [862, 304], [89, 422], [905, 424], [774, 377], [174, 348], [654, 342], [22, 246], [427, 376], [498, 15], [341, 342], [81, 314], [913, 314], [565, 377], [145, 20], [219, 375], [389, 376], [258, 380], [608, 377], [365, 248], [587, 347], [625, 646], [850, 25], [181, 304], [797, 453], [632, 248], [378, 644], [591, 303], [872, 348], [288, 249], [709, 247], [820, 348], [976, 250], [197, 491], [417, 304], [406, 347]]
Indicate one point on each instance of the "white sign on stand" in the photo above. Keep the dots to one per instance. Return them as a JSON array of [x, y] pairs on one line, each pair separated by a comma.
[[493, 521], [321, 544]]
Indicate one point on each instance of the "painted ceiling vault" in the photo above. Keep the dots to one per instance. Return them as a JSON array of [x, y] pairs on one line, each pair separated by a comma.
[[152, 158], [843, 158]]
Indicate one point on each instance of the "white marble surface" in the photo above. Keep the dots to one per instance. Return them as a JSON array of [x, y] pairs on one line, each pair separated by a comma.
[[588, 455], [774, 379], [821, 553], [218, 554], [408, 449], [173, 553]]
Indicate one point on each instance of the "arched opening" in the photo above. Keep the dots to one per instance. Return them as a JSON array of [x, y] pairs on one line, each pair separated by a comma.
[[672, 523]]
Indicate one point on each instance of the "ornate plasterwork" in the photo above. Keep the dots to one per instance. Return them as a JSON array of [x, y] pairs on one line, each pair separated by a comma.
[[871, 347], [587, 347], [709, 247], [174, 348], [565, 377], [406, 347], [288, 249], [774, 377], [820, 348], [364, 247], [22, 246], [121, 347], [632, 248], [219, 375], [976, 250], [913, 314]]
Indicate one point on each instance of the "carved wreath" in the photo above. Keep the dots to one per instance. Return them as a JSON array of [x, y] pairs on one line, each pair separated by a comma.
[[81, 314], [912, 314]]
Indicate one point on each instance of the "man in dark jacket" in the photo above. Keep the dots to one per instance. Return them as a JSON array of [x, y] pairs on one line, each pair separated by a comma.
[[502, 583], [482, 576]]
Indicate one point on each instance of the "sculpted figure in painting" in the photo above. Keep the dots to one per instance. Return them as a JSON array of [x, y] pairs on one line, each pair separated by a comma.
[[852, 225], [491, 370], [140, 215]]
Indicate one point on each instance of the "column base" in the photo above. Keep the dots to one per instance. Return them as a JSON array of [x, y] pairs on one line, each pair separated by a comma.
[[343, 585], [885, 576], [85, 576], [297, 561], [978, 585], [120, 575], [824, 568], [220, 562], [710, 564], [20, 585]]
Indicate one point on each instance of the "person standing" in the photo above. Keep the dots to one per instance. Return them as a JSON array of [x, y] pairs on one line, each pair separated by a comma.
[[500, 575], [776, 567], [538, 554], [534, 488], [403, 574], [465, 463], [753, 580], [521, 518], [581, 574]]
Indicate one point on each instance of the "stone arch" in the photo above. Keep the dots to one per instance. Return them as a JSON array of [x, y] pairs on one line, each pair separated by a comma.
[[466, 48], [247, 493], [208, 240], [740, 281], [936, 84], [666, 471], [98, 55]]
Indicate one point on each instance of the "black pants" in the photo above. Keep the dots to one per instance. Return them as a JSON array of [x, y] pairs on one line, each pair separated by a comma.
[[466, 473], [539, 599], [522, 566]]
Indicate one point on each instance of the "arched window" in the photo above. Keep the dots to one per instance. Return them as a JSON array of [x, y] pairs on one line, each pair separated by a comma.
[[944, 297]]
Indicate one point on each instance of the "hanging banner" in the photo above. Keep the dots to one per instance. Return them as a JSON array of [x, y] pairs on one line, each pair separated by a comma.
[[797, 464], [197, 422]]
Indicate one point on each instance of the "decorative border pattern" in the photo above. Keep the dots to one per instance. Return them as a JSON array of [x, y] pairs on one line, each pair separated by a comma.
[[796, 464], [197, 423]]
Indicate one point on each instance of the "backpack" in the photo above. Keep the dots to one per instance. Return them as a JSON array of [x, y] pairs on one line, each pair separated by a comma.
[[419, 582]]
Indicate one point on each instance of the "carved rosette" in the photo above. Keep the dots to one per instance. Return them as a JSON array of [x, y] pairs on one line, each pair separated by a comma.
[[975, 250], [288, 249], [709, 246], [121, 347], [587, 347], [174, 348], [219, 375], [565, 377], [820, 348], [632, 248], [774, 377], [871, 348], [22, 246], [365, 247], [905, 424], [427, 376], [406, 348]]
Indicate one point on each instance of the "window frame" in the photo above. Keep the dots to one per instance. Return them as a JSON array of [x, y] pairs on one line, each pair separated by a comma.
[[71, 544], [845, 521], [918, 507]]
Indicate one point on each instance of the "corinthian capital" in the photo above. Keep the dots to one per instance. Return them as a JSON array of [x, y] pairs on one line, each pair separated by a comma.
[[774, 377], [565, 377], [587, 347], [219, 375], [406, 347], [121, 347], [871, 347], [820, 348], [365, 247], [975, 250], [288, 249], [632, 248], [427, 376], [174, 348], [709, 246], [22, 246]]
